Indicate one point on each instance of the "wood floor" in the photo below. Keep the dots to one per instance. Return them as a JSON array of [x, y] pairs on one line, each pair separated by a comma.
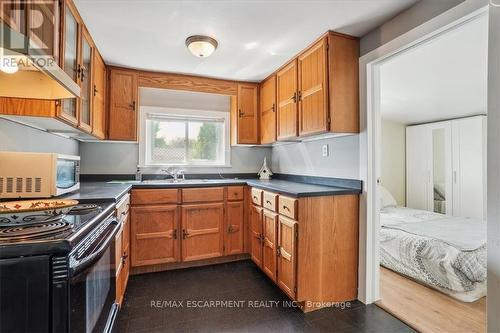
[[428, 310]]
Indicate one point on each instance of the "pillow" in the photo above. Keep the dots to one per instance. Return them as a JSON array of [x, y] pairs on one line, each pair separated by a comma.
[[386, 198]]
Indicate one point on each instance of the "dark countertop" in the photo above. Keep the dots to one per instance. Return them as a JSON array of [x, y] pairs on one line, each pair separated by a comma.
[[300, 189], [99, 191], [105, 191]]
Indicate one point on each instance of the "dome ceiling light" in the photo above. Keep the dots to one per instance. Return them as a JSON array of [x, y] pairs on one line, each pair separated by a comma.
[[201, 46]]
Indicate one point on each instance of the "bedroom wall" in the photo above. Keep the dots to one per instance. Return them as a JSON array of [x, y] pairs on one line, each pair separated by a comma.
[[493, 299], [393, 161]]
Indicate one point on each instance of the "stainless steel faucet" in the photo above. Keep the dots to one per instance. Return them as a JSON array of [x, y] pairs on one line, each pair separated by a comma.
[[175, 173]]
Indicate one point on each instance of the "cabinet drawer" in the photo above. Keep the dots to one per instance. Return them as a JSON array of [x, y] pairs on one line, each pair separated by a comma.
[[257, 196], [154, 196], [288, 207], [235, 193], [208, 194], [122, 207], [270, 200]]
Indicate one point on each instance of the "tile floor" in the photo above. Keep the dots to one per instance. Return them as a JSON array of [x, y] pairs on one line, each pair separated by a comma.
[[177, 301]]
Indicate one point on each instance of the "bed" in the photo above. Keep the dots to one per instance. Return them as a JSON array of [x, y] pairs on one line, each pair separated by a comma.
[[443, 252]]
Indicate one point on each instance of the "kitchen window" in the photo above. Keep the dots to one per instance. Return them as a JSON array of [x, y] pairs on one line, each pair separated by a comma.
[[179, 137]]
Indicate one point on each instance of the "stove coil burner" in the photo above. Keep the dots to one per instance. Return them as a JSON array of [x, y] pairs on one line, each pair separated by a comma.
[[83, 209], [33, 231]]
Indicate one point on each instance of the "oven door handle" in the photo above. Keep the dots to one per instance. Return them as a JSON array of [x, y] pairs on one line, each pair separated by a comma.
[[96, 255]]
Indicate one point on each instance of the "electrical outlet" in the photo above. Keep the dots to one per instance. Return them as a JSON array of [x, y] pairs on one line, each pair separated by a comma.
[[325, 150]]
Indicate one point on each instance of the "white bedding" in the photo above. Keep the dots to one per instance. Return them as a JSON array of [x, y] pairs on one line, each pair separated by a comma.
[[444, 263]]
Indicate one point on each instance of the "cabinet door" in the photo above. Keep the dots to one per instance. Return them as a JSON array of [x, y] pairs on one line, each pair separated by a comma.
[[126, 251], [202, 235], [234, 228], [247, 114], [286, 83], [98, 97], [119, 266], [85, 101], [69, 59], [269, 220], [122, 106], [313, 89], [287, 243], [268, 110], [256, 235], [154, 235], [43, 25]]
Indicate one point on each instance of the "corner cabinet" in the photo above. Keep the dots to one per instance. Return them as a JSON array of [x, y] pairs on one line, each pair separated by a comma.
[[123, 106], [267, 91]]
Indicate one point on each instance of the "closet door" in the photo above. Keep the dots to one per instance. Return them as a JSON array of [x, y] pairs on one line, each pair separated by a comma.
[[417, 167], [440, 168], [469, 152]]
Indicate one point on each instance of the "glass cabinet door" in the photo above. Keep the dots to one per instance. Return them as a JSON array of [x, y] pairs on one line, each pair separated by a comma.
[[70, 61], [85, 82]]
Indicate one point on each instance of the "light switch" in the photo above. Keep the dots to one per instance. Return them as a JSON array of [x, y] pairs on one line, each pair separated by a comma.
[[325, 150]]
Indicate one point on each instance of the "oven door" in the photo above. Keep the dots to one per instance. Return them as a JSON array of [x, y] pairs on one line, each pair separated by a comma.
[[92, 281]]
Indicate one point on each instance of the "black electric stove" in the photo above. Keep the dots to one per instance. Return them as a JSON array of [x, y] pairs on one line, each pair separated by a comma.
[[62, 273]]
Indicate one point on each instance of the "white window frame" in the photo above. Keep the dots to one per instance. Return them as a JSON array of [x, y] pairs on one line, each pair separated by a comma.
[[182, 113]]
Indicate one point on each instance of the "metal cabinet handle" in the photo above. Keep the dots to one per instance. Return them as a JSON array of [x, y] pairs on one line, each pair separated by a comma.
[[174, 234], [132, 105], [274, 108], [241, 114], [185, 234], [278, 251], [269, 202], [95, 90], [230, 229], [299, 95], [294, 97], [285, 207]]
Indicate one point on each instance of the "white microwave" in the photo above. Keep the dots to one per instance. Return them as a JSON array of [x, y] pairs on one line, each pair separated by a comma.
[[38, 175]]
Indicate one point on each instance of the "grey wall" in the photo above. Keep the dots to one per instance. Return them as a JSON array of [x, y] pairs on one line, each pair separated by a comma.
[[16, 137], [122, 158], [414, 16], [306, 158], [493, 298]]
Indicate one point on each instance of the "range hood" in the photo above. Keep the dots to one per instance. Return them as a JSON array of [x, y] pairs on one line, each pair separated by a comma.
[[38, 77]]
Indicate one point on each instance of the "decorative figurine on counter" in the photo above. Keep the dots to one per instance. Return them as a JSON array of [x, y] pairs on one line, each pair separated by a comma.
[[265, 173]]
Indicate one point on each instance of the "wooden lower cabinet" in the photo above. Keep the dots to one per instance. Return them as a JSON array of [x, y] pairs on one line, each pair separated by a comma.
[[202, 236], [256, 235], [269, 223], [122, 249], [155, 234], [234, 228], [287, 245]]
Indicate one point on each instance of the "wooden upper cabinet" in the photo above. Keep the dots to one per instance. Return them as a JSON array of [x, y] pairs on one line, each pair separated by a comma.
[[247, 120], [99, 97], [86, 69], [287, 244], [267, 91], [69, 58], [269, 224], [313, 89], [123, 106], [202, 235], [234, 228], [154, 235], [286, 83], [343, 70]]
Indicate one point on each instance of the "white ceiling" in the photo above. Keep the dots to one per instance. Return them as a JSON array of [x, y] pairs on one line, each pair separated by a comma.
[[444, 78], [183, 99], [255, 37]]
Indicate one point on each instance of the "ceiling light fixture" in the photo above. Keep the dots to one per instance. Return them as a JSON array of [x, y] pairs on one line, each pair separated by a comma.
[[201, 46], [8, 65]]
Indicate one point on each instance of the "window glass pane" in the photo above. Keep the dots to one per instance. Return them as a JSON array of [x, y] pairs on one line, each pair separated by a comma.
[[168, 141], [206, 143]]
